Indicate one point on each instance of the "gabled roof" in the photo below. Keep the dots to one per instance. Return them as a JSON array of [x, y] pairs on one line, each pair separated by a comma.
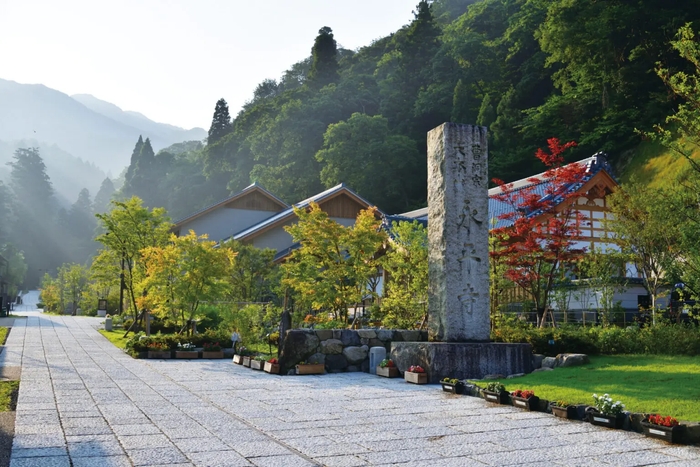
[[288, 213], [244, 192], [594, 165]]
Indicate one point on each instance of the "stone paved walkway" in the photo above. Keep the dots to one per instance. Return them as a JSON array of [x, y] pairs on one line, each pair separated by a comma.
[[82, 402]]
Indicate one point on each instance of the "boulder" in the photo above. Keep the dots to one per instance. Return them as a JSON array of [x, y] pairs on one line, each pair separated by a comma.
[[324, 334], [353, 368], [571, 359], [356, 354], [549, 362], [410, 336], [336, 363], [385, 334], [516, 375], [299, 345], [544, 368], [349, 337], [367, 333], [332, 346], [537, 360], [377, 343], [317, 358]]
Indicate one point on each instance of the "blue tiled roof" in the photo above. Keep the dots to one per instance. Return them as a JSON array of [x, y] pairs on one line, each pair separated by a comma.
[[498, 208]]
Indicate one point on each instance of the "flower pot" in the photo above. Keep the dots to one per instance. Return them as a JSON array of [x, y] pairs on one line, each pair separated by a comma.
[[161, 354], [186, 354], [496, 397], [272, 368], [453, 388], [311, 369], [570, 412], [608, 421], [246, 361], [388, 371], [213, 354], [257, 364], [672, 434], [415, 378], [238, 359], [528, 404]]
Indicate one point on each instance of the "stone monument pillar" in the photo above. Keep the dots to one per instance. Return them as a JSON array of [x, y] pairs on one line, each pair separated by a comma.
[[458, 234], [458, 290]]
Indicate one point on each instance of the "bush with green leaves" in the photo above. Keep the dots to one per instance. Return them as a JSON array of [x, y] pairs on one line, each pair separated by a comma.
[[605, 405], [495, 386]]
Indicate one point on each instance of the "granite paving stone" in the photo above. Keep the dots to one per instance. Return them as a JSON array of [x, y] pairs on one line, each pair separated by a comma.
[[83, 402]]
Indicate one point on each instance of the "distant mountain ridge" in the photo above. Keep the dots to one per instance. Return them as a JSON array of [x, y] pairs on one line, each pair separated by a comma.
[[86, 127]]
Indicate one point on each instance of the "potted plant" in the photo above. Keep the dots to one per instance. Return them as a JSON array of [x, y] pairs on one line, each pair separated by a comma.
[[272, 366], [416, 375], [524, 399], [665, 428], [158, 350], [496, 393], [563, 409], [212, 350], [304, 368], [257, 363], [606, 412], [387, 369], [452, 385], [186, 350], [238, 356]]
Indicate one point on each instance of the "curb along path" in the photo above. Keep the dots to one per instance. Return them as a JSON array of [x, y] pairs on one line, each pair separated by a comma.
[[83, 402]]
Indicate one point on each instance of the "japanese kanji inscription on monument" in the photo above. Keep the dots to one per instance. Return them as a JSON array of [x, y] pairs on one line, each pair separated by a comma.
[[458, 295]]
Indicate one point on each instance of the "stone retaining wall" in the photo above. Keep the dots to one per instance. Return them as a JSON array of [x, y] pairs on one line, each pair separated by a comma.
[[340, 349]]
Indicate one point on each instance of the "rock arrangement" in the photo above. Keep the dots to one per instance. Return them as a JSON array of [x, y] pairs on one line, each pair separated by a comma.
[[340, 350]]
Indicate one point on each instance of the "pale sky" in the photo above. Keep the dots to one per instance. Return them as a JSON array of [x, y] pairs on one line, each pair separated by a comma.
[[173, 59]]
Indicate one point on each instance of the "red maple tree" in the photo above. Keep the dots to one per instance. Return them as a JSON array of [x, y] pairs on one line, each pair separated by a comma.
[[538, 234]]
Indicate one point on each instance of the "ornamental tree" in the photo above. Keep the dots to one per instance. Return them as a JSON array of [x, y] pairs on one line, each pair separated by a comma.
[[538, 234], [334, 266]]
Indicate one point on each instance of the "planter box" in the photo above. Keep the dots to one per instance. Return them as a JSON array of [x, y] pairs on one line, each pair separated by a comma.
[[570, 413], [272, 368], [388, 371], [496, 397], [311, 369], [246, 361], [213, 354], [238, 359], [608, 421], [453, 388], [189, 354], [528, 404], [161, 354], [672, 434], [415, 378], [257, 364]]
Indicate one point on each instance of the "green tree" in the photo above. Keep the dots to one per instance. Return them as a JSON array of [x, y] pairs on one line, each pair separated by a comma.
[[643, 228], [253, 275], [390, 169], [324, 60], [103, 196], [128, 229], [16, 269], [405, 302], [332, 269], [182, 274], [220, 124]]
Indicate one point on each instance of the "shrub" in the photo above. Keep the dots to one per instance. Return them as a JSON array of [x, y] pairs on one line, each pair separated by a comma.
[[495, 386], [605, 405]]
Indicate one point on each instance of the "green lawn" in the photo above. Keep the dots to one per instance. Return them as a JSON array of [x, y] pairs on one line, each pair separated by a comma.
[[3, 334], [7, 388], [116, 337], [644, 383]]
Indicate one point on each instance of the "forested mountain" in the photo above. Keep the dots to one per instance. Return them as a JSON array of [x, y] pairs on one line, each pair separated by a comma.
[[527, 69], [103, 137]]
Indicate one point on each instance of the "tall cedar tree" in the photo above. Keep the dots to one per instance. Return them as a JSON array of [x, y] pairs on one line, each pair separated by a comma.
[[542, 226], [220, 124], [324, 64], [132, 165], [103, 196]]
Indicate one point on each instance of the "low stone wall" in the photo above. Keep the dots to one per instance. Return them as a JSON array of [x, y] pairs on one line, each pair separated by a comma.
[[340, 349]]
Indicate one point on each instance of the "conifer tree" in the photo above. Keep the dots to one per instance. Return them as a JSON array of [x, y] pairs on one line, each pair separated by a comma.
[[220, 124], [103, 196], [132, 164], [324, 65]]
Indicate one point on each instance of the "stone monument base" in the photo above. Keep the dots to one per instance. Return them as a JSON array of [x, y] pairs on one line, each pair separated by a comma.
[[463, 360]]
